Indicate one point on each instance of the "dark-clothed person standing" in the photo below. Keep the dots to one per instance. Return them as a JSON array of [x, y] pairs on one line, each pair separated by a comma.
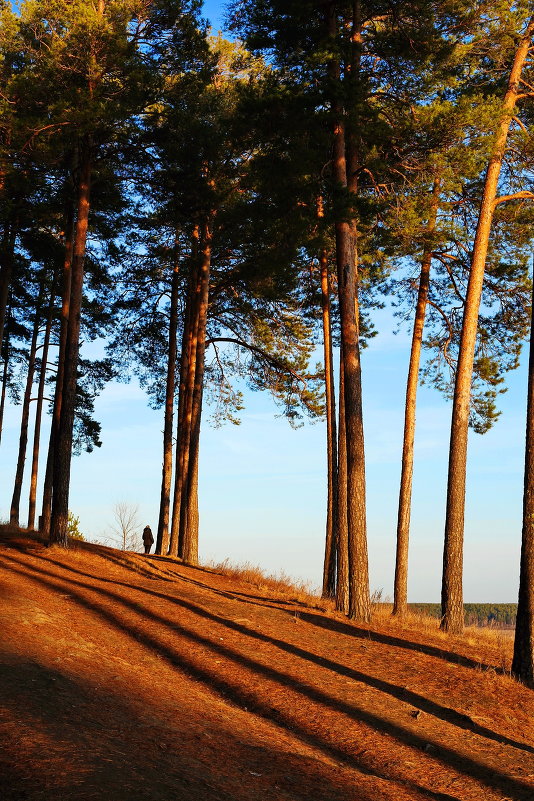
[[148, 539]]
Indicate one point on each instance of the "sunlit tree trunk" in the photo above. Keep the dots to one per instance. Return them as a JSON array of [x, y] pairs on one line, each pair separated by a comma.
[[329, 570], [191, 524], [400, 597], [39, 412], [342, 588], [452, 589], [63, 445], [346, 258], [185, 393], [188, 547], [162, 538], [523, 659]]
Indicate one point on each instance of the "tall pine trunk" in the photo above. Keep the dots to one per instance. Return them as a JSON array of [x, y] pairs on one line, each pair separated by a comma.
[[342, 588], [7, 251], [523, 659], [346, 258], [39, 412], [188, 540], [329, 569], [162, 538], [185, 393], [66, 281], [452, 584], [23, 439], [5, 373], [191, 523], [400, 597], [63, 445]]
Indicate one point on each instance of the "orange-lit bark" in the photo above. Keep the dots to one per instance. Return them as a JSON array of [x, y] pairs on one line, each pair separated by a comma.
[[452, 584], [347, 261], [400, 597]]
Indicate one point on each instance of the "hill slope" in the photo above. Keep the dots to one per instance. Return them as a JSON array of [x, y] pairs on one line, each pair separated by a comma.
[[132, 677]]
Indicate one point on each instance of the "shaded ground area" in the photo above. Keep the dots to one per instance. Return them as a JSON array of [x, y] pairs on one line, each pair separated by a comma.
[[127, 677]]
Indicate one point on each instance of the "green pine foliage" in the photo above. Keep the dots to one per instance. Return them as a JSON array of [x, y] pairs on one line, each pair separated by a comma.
[[74, 528]]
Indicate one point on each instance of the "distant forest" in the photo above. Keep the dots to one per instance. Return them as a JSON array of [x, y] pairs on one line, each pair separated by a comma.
[[475, 614]]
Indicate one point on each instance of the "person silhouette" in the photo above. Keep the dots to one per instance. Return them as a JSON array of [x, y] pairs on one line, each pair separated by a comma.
[[148, 539]]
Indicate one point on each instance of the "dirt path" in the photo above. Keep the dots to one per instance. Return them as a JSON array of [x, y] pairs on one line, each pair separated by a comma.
[[123, 677]]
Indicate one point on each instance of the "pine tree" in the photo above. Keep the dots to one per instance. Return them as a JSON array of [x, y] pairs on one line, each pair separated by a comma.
[[452, 594], [523, 659]]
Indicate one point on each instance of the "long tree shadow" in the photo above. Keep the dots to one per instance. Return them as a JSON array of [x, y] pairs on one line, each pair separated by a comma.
[[352, 630], [160, 561], [229, 692], [84, 757], [447, 714], [249, 700], [338, 626]]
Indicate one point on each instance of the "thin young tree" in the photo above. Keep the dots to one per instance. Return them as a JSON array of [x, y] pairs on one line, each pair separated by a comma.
[[23, 439], [400, 604]]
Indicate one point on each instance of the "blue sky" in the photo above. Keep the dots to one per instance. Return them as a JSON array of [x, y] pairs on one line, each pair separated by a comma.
[[263, 485], [214, 12]]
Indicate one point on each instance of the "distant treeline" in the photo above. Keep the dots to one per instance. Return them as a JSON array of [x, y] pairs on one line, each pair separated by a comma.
[[475, 614]]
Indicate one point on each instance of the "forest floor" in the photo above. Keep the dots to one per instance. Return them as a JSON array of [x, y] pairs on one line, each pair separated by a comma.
[[131, 677]]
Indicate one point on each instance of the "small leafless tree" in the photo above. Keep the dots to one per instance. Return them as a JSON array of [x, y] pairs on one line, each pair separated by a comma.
[[127, 526]]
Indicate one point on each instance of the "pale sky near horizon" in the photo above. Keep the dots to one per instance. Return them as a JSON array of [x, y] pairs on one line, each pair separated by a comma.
[[263, 485]]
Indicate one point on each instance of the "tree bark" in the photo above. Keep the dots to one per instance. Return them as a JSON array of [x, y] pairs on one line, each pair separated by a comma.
[[60, 372], [452, 589], [6, 271], [188, 540], [346, 258], [523, 659], [342, 589], [63, 445], [39, 412], [23, 440], [400, 597], [5, 350], [162, 538], [185, 393], [191, 527], [329, 569]]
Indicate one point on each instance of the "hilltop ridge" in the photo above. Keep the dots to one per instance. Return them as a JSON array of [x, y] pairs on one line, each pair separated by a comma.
[[132, 677]]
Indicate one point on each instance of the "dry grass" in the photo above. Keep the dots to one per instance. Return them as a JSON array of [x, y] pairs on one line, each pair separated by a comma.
[[286, 587], [484, 640]]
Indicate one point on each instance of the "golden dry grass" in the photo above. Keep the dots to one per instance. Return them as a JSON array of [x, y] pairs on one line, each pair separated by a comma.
[[280, 583]]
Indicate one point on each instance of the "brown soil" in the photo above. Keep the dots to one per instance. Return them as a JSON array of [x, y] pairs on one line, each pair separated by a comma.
[[132, 677]]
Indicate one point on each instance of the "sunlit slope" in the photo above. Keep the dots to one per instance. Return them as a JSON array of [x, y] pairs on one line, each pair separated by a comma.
[[127, 677]]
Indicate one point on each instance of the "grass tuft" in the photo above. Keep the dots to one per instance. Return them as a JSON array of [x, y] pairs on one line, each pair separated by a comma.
[[285, 586]]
